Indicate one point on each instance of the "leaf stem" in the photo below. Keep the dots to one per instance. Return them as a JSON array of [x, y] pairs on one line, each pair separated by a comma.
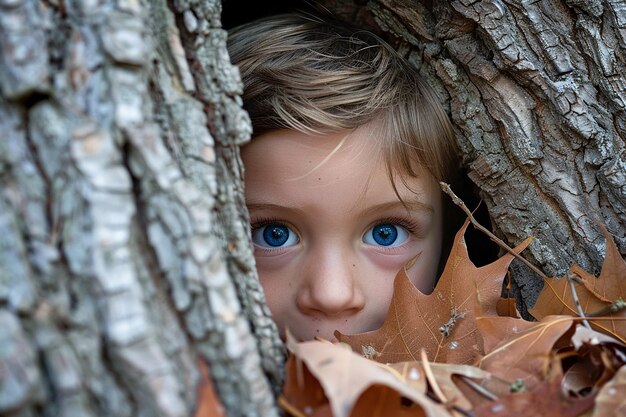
[[479, 388], [618, 305], [286, 405], [431, 378], [456, 200], [579, 308]]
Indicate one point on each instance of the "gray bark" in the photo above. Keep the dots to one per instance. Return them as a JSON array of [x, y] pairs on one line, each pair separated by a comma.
[[124, 251], [537, 93]]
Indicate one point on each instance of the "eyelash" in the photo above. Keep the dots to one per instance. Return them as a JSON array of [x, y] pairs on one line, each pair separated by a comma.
[[410, 225], [264, 221]]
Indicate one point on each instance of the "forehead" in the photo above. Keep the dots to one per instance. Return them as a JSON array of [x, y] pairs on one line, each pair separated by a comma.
[[346, 170]]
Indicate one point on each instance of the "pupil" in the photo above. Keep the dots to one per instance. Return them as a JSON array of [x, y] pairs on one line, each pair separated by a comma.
[[276, 235], [385, 234]]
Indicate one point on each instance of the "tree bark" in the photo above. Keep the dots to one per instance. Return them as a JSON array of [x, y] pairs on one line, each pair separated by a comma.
[[124, 251], [537, 94]]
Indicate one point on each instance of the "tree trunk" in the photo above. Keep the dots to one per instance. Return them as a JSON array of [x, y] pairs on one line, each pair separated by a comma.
[[124, 256], [537, 93]]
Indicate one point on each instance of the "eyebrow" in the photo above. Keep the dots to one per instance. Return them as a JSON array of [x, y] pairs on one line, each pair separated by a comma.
[[253, 205], [406, 205], [391, 205]]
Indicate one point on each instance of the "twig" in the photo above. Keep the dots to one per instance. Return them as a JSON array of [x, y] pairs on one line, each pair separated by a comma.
[[282, 401], [446, 328], [618, 305], [466, 413], [579, 308], [576, 279], [479, 388], [446, 189], [431, 378]]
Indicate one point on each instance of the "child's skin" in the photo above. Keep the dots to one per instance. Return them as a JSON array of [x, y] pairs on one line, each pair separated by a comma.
[[324, 222]]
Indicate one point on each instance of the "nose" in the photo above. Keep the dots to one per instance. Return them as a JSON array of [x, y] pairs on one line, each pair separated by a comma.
[[330, 284]]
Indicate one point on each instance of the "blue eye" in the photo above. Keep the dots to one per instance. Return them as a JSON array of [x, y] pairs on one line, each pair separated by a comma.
[[274, 235], [386, 234]]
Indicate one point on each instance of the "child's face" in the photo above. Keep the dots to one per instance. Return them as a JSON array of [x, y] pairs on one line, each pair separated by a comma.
[[330, 233]]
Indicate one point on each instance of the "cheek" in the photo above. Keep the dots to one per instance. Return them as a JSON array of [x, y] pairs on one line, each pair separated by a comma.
[[277, 280], [389, 261], [423, 273], [376, 284]]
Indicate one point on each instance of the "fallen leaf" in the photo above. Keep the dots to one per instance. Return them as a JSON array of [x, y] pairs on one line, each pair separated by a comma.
[[410, 373], [599, 356], [506, 307], [594, 294], [584, 335], [442, 323], [611, 400], [302, 393], [611, 284], [208, 404], [547, 399], [324, 377], [446, 375], [517, 349]]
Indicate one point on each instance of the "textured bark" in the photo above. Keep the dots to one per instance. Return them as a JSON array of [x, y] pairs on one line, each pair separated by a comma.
[[124, 255], [537, 93]]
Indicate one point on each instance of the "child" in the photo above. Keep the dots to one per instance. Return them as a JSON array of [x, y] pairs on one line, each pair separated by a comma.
[[342, 172]]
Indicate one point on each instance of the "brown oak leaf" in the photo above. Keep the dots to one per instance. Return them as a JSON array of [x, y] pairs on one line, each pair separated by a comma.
[[547, 399], [325, 379], [599, 357], [611, 400], [442, 323], [594, 294], [208, 404], [611, 284], [521, 350]]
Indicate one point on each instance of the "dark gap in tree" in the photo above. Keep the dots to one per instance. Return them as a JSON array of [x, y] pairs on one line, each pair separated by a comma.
[[32, 99], [481, 249], [235, 13]]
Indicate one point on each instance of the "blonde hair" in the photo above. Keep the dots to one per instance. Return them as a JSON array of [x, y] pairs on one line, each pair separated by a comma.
[[304, 73]]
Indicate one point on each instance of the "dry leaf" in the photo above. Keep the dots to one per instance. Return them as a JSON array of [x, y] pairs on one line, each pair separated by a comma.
[[599, 358], [520, 349], [611, 400], [209, 404], [506, 307], [410, 373], [446, 374], [443, 322], [325, 377], [497, 330], [581, 378], [546, 399], [611, 284], [594, 294]]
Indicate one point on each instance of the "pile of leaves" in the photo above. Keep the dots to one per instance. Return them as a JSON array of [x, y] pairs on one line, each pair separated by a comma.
[[464, 351]]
